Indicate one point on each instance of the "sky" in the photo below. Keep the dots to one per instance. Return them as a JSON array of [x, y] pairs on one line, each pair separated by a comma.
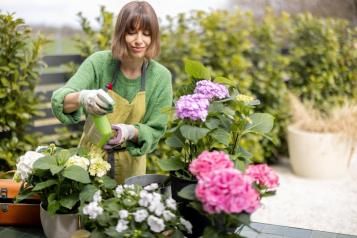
[[63, 12]]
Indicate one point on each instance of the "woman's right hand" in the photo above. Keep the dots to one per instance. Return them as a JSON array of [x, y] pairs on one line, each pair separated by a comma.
[[96, 101]]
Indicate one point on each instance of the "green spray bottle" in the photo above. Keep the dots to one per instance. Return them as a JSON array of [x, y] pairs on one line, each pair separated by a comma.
[[102, 125]]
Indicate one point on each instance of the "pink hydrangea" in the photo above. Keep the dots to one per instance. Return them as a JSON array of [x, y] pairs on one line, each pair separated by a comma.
[[193, 107], [207, 162], [227, 191], [263, 175], [211, 90]]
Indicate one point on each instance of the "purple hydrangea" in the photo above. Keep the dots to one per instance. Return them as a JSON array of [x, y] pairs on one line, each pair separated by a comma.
[[192, 106], [211, 90]]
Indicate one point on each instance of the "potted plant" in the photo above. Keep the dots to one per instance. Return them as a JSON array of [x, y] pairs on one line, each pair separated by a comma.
[[133, 211], [61, 178], [321, 143], [210, 115], [226, 196]]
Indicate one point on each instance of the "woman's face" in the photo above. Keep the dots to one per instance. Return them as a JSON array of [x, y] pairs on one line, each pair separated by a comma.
[[138, 41]]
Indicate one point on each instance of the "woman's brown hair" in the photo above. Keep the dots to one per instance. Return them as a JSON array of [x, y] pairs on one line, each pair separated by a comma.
[[133, 16]]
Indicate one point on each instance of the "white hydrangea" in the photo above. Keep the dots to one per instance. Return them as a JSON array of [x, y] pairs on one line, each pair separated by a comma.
[[122, 225], [157, 207], [92, 210], [171, 203], [98, 167], [156, 224], [186, 224], [129, 186], [168, 215], [123, 214], [97, 197], [132, 193], [140, 215], [145, 198], [79, 161], [151, 187], [25, 164], [119, 190], [156, 204]]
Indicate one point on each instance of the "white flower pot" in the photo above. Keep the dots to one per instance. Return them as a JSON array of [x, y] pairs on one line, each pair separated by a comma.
[[58, 225], [318, 155]]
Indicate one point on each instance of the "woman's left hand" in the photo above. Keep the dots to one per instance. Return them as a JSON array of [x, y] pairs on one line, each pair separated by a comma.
[[122, 133]]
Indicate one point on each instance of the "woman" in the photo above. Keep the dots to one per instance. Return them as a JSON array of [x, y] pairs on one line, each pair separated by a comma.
[[139, 86]]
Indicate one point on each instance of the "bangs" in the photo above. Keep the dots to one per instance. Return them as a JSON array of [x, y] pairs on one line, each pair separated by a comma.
[[138, 21]]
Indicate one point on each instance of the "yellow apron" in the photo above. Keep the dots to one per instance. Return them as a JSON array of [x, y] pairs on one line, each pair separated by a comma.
[[125, 165]]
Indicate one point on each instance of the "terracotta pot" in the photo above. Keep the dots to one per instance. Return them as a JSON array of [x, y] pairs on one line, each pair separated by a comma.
[[58, 225], [318, 155]]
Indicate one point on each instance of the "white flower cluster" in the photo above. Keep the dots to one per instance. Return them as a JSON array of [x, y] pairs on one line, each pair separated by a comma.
[[79, 161], [93, 209], [153, 208], [98, 167], [25, 164]]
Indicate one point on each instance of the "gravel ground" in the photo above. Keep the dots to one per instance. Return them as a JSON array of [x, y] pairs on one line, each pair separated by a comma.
[[324, 205]]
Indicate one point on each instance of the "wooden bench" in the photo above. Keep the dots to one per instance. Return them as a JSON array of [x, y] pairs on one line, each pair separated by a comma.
[[52, 78]]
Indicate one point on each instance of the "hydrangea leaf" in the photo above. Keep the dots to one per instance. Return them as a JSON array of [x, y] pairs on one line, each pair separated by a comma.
[[197, 70], [76, 173], [193, 133], [261, 123]]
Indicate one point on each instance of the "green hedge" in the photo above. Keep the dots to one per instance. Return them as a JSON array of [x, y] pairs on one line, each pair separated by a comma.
[[314, 57], [19, 73]]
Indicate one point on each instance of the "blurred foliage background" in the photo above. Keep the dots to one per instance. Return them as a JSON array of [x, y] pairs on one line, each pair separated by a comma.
[[266, 52]]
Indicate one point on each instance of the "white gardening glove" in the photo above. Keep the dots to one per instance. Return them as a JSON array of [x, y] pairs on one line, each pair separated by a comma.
[[123, 132], [96, 101]]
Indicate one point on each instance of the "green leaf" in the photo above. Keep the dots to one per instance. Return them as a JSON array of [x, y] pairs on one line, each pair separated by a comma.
[[69, 201], [188, 192], [171, 164], [210, 232], [212, 123], [108, 182], [45, 163], [193, 133], [24, 194], [196, 70], [221, 136], [87, 193], [225, 81], [261, 123], [174, 142], [177, 234], [55, 169], [53, 204], [76, 173], [244, 218], [111, 232], [44, 185], [241, 152]]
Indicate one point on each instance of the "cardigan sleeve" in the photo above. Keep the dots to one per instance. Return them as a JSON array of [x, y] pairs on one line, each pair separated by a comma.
[[84, 78]]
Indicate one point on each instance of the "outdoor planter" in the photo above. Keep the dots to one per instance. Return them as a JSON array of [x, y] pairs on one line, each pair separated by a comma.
[[58, 225], [318, 155]]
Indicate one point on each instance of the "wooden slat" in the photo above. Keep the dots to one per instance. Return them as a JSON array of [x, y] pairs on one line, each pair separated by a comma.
[[47, 113], [57, 60], [53, 78], [49, 129]]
